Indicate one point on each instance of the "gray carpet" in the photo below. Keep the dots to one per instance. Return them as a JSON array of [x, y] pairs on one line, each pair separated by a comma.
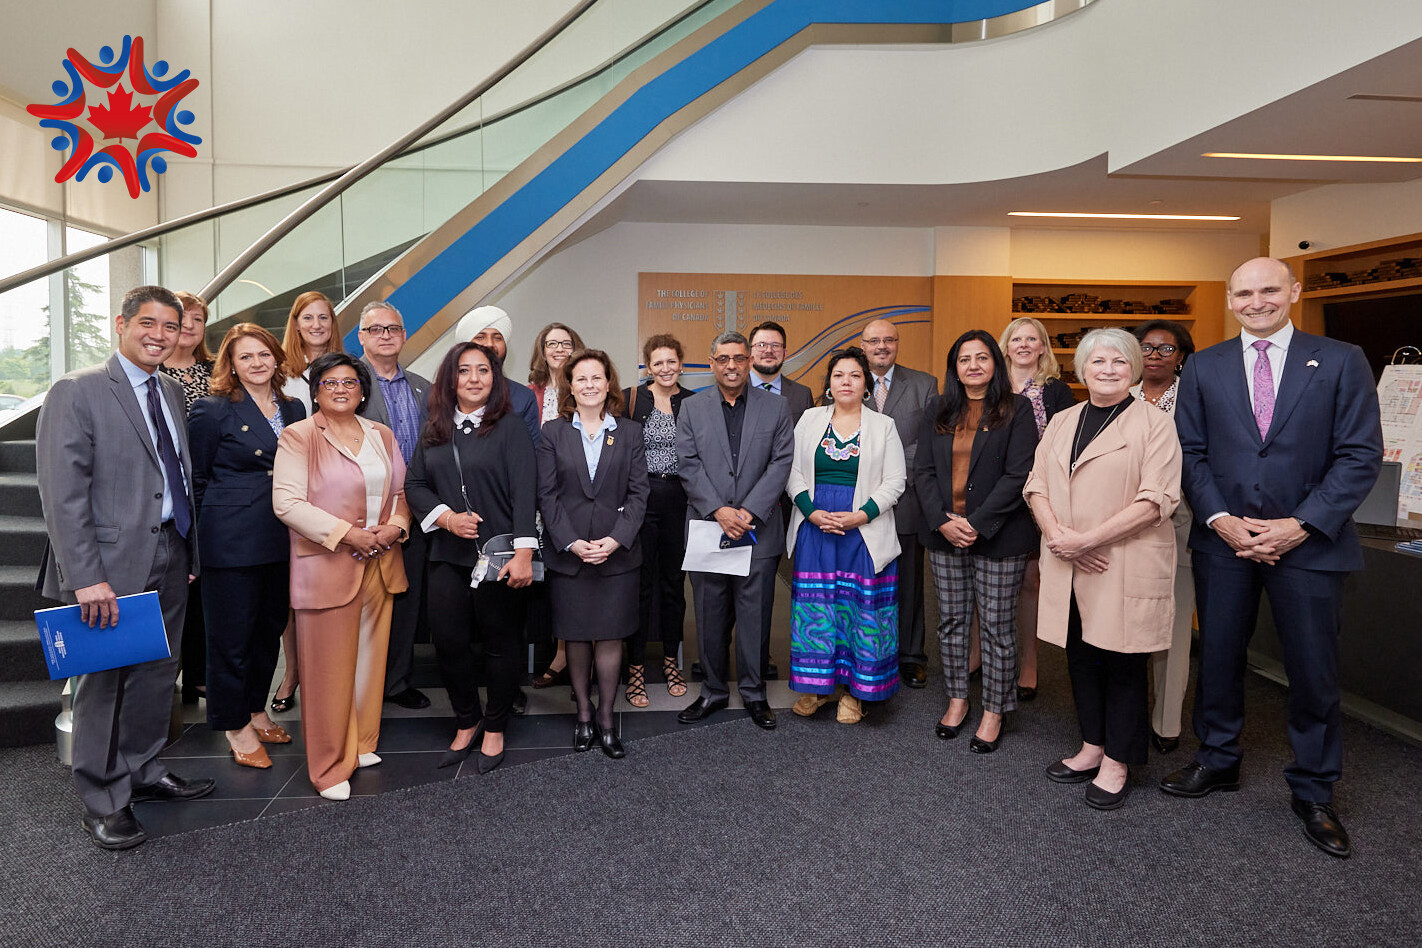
[[815, 834]]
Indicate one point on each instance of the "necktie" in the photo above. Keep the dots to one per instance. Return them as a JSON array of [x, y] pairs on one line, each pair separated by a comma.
[[881, 393], [172, 470], [766, 386], [1263, 388]]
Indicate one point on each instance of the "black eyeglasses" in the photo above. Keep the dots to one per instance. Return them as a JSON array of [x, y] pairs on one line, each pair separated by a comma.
[[375, 329], [728, 359], [332, 385], [1165, 351]]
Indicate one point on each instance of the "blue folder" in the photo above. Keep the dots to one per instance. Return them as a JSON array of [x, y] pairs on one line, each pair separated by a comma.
[[72, 648]]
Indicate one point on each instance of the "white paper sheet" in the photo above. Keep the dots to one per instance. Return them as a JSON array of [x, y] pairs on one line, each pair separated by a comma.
[[704, 553]]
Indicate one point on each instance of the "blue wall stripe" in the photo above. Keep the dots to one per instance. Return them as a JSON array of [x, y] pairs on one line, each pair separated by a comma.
[[471, 255]]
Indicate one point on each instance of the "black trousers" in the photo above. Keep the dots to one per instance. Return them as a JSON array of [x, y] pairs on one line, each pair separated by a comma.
[[492, 615], [407, 616], [911, 600], [1112, 694], [246, 613], [194, 664], [662, 597]]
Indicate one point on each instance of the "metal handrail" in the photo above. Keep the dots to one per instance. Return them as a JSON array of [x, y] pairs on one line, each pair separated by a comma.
[[60, 264]]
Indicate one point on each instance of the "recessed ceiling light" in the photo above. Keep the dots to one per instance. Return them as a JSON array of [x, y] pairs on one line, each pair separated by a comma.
[[1126, 217], [1245, 154]]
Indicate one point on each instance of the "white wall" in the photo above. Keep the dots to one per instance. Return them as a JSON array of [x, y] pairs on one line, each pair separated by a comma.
[[1127, 78], [1343, 214], [1129, 255]]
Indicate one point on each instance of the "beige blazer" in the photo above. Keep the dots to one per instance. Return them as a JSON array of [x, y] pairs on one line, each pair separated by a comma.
[[882, 477], [318, 491], [1129, 607]]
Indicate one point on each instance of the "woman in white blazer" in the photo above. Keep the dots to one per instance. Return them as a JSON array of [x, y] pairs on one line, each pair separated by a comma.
[[847, 474]]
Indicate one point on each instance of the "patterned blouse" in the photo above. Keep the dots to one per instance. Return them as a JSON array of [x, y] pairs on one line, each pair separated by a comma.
[[550, 405], [196, 380], [659, 437], [1032, 391]]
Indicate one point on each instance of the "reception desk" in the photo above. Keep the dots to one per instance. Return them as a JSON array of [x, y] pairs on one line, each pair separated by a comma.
[[1380, 646]]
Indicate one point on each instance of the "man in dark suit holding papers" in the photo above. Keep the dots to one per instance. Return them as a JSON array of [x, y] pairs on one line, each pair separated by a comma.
[[116, 486], [1281, 441]]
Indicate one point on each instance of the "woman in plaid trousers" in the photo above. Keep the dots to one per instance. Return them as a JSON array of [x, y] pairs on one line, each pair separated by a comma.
[[974, 454]]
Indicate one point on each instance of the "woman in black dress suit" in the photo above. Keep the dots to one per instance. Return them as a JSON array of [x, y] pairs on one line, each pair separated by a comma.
[[654, 405], [592, 489], [472, 478], [242, 545]]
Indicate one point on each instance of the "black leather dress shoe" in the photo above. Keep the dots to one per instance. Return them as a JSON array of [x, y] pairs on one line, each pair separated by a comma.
[[913, 674], [582, 736], [979, 746], [1164, 745], [1323, 828], [1099, 799], [607, 740], [173, 787], [1059, 772], [771, 673], [119, 830], [761, 714], [410, 698], [700, 708], [520, 703], [946, 732], [1026, 693], [1197, 780]]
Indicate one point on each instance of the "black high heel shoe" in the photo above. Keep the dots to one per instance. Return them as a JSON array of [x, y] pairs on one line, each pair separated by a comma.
[[611, 746], [946, 732], [285, 704], [452, 757], [583, 735]]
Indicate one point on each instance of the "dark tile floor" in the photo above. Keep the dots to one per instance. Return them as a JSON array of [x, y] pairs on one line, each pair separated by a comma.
[[410, 750]]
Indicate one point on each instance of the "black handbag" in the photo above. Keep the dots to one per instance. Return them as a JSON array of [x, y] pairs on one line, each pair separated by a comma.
[[495, 552]]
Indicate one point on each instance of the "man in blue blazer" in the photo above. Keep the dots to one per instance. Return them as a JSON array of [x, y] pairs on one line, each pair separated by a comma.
[[399, 400], [1281, 441]]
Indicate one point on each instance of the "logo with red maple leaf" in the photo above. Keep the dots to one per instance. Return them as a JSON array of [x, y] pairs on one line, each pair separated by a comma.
[[145, 111]]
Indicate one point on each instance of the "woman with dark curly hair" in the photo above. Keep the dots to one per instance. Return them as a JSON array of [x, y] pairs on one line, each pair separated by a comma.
[[473, 478]]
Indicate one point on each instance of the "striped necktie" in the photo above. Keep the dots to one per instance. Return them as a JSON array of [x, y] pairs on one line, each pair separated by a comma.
[[881, 393]]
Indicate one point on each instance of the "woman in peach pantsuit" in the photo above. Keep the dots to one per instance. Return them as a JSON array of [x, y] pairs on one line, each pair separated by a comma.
[[339, 487]]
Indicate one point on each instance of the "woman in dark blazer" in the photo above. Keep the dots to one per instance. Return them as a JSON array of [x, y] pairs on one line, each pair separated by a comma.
[[592, 489], [974, 454], [662, 601], [473, 478], [243, 547], [1036, 376]]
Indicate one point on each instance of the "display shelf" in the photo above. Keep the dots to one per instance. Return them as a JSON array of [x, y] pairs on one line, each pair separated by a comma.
[[1359, 289]]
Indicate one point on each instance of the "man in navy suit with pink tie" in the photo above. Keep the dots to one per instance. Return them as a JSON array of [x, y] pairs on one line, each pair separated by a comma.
[[1281, 441]]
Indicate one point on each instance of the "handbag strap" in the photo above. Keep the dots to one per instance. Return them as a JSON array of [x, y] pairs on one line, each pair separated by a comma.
[[459, 469]]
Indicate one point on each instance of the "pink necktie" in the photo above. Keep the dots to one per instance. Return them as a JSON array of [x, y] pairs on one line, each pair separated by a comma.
[[1263, 388], [881, 393]]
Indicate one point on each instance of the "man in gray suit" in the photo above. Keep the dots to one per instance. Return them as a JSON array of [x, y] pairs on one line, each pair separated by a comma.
[[735, 444], [398, 400], [902, 394], [115, 483], [768, 346]]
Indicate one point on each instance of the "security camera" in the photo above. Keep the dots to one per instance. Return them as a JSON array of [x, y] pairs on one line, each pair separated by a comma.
[[1304, 245]]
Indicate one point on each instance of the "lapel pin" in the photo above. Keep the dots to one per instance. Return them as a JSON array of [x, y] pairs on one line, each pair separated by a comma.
[[244, 427], [1312, 363], [609, 441]]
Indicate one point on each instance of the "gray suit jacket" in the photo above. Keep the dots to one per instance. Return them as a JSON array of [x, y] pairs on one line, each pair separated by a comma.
[[756, 481], [799, 396], [376, 410], [908, 395], [101, 483]]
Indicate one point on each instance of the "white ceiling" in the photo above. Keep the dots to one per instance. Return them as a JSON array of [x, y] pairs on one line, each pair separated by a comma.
[[1321, 119]]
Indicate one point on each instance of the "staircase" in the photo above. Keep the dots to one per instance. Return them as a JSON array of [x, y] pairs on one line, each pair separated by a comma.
[[29, 701]]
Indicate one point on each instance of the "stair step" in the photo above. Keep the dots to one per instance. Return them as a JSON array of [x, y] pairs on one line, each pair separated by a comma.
[[27, 712], [17, 456], [18, 599], [19, 494], [21, 657], [22, 541]]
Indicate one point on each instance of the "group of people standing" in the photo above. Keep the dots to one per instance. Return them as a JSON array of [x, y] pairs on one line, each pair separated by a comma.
[[348, 502]]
